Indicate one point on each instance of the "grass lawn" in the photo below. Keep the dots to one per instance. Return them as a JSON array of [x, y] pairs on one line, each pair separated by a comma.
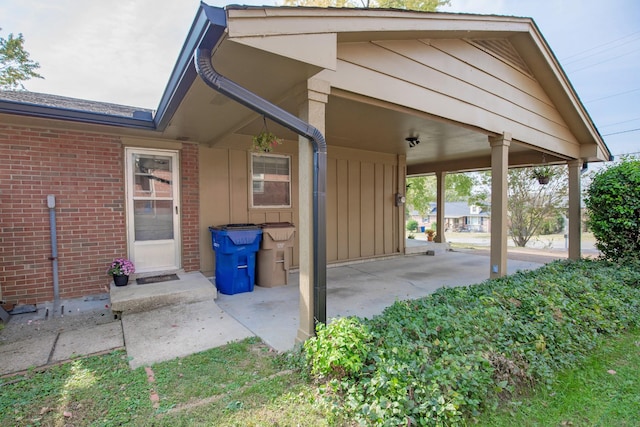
[[604, 391], [243, 384], [246, 384]]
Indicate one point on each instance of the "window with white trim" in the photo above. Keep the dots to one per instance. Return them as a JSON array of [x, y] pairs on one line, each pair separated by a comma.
[[271, 181]]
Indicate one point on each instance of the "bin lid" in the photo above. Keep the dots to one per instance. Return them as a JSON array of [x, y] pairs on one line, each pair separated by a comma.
[[279, 234], [276, 225], [244, 236], [227, 227]]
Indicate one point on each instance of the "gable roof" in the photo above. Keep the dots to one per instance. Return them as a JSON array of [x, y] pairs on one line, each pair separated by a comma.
[[285, 46]]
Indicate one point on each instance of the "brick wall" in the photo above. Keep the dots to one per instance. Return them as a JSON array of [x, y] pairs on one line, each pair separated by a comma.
[[85, 173], [190, 208]]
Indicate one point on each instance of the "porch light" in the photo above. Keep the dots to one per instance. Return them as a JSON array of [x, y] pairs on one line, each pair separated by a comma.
[[413, 141]]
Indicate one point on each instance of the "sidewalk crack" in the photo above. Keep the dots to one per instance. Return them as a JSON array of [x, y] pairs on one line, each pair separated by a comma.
[[53, 348]]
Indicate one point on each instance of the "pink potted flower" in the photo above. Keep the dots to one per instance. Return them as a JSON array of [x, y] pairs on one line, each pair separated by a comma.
[[120, 269]]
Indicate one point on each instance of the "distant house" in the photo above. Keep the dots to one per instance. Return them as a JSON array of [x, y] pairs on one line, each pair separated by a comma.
[[458, 216]]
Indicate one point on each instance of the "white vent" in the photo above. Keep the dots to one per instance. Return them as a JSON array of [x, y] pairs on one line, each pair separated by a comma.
[[503, 50]]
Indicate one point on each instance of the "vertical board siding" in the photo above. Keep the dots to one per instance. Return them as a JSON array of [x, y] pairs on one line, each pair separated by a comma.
[[359, 200], [342, 191], [367, 209], [389, 208], [332, 209], [354, 204], [224, 190], [360, 194], [239, 177], [215, 200], [378, 209]]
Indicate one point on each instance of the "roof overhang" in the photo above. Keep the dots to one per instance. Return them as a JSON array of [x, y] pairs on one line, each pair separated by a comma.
[[142, 120]]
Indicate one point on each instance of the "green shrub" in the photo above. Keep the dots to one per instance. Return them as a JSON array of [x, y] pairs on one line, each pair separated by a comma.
[[338, 349], [613, 203], [444, 358], [412, 225]]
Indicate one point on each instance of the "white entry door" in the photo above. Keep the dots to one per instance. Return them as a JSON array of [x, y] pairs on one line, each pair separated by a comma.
[[153, 209]]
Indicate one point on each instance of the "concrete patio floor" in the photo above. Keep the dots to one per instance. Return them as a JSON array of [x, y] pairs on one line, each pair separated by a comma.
[[184, 326], [363, 289]]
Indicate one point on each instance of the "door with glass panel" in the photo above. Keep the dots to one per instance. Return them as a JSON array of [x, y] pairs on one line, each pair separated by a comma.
[[153, 209]]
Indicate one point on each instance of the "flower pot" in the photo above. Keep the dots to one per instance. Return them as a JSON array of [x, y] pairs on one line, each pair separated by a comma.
[[543, 180], [120, 280]]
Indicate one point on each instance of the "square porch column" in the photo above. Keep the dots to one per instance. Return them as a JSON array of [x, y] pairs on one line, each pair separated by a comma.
[[574, 214], [499, 184], [312, 110]]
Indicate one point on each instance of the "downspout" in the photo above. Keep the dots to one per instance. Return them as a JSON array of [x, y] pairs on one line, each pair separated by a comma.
[[265, 108], [51, 204]]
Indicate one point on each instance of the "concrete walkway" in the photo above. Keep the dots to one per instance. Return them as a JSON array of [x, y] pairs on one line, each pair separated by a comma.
[[36, 340], [89, 327], [177, 331], [83, 326]]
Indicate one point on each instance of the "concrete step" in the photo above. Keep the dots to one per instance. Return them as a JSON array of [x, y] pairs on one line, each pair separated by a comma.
[[415, 246], [134, 298]]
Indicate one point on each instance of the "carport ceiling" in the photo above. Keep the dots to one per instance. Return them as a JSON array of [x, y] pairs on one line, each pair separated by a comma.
[[384, 128]]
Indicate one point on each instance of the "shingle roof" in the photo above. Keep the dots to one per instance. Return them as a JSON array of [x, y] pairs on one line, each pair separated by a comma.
[[44, 99]]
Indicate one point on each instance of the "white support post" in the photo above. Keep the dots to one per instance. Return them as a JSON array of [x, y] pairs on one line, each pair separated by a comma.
[[499, 184]]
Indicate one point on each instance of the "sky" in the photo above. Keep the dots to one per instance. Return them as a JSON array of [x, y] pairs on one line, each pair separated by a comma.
[[123, 51]]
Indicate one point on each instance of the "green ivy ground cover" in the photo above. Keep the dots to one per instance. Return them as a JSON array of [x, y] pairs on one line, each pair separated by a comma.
[[443, 359]]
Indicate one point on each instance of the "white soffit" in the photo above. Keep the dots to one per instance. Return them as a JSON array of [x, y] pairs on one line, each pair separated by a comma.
[[314, 49]]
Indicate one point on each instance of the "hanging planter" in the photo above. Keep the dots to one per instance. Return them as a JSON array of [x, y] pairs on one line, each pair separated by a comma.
[[542, 174], [265, 141], [543, 180]]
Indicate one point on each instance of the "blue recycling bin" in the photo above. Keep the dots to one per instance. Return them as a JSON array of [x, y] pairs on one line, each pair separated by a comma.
[[235, 246]]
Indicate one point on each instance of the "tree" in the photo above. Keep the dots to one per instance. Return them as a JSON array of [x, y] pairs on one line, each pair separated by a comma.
[[529, 204], [613, 204], [422, 190], [424, 5], [15, 65]]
